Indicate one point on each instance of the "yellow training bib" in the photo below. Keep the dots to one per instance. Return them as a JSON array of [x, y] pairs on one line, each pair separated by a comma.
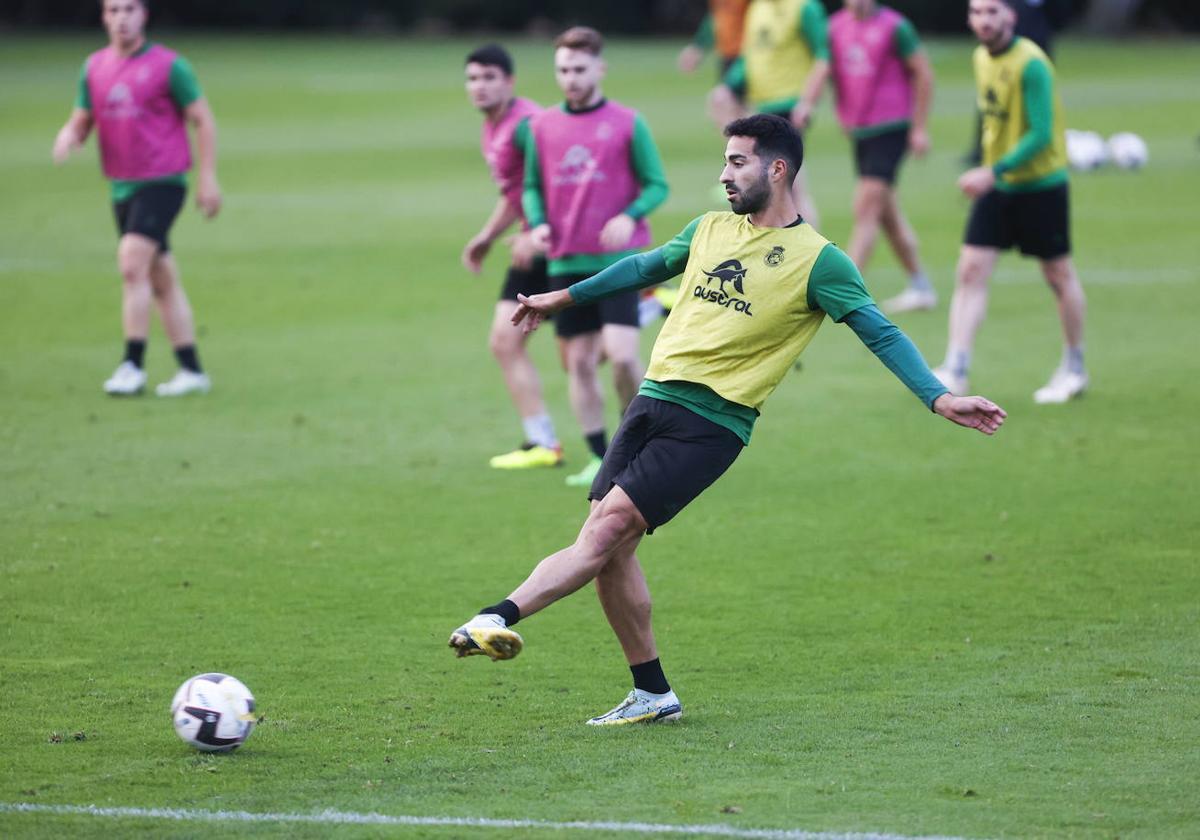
[[742, 315], [777, 57], [1002, 103]]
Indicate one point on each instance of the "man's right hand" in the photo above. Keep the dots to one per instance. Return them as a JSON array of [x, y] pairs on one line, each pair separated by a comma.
[[690, 58], [539, 237], [534, 309]]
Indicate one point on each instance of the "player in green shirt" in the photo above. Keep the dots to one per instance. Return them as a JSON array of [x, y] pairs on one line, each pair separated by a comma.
[[757, 284], [1020, 197]]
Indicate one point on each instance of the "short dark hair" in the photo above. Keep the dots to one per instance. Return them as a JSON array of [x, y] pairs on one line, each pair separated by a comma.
[[581, 38], [774, 138], [492, 55]]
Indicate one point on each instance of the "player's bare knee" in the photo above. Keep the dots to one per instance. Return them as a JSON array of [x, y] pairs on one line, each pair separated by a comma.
[[505, 344]]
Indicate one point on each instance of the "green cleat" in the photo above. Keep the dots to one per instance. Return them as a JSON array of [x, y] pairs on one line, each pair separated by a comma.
[[587, 475]]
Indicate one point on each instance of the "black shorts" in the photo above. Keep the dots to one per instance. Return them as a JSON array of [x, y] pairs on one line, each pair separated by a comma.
[[619, 309], [663, 456], [880, 156], [150, 212], [1038, 222], [525, 281]]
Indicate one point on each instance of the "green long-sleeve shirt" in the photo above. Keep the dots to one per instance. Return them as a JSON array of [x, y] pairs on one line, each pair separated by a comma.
[[834, 286], [1037, 91], [647, 168]]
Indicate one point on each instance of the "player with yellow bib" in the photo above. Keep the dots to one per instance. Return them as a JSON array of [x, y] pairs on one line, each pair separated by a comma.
[[756, 285], [782, 70], [1020, 196]]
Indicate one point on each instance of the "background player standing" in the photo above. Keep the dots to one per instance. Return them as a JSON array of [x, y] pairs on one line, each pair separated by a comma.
[[489, 72], [1020, 197], [139, 96], [760, 282], [883, 82], [782, 70], [592, 173]]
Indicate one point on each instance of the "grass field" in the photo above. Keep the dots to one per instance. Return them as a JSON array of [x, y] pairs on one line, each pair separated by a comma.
[[876, 621]]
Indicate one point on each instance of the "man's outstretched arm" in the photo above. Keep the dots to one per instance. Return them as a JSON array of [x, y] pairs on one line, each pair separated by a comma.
[[892, 347], [836, 286]]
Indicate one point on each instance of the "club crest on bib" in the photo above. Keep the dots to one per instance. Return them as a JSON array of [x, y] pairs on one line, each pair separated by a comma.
[[774, 257]]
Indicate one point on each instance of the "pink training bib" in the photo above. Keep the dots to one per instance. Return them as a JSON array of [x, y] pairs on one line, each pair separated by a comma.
[[504, 160], [140, 127], [587, 175], [869, 76]]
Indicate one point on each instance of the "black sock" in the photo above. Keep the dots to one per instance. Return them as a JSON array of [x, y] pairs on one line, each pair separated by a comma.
[[135, 351], [188, 360], [649, 677], [597, 443], [506, 609]]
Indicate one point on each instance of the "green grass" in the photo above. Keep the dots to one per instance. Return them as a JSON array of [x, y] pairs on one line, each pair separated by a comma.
[[876, 621]]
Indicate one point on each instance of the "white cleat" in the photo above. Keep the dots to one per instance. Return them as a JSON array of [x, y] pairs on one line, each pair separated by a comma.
[[184, 382], [642, 707], [127, 380], [956, 384], [911, 300], [486, 635], [1062, 387]]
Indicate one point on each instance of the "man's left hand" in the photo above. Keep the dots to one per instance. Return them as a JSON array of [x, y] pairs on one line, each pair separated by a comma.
[[975, 182], [973, 412], [801, 114]]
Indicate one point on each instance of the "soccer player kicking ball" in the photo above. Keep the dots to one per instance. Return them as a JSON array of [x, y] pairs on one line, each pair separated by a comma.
[[489, 72], [139, 96], [758, 283], [1020, 197], [883, 83]]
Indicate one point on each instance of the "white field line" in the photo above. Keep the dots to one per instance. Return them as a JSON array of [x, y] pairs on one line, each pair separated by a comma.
[[330, 817]]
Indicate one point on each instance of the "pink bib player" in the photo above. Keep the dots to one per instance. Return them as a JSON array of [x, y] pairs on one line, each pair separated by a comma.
[[140, 127], [504, 160], [587, 176], [869, 76]]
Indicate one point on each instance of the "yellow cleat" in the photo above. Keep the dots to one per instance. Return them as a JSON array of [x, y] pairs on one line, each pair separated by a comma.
[[528, 457], [486, 635]]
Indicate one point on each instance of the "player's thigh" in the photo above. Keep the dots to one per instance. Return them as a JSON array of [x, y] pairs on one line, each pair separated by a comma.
[[504, 335], [663, 457], [620, 343], [976, 264], [1059, 272], [871, 196], [152, 212], [135, 256], [581, 354], [990, 222], [1043, 223]]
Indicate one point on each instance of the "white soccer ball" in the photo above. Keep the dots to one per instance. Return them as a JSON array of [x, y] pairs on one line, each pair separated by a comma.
[[1086, 150], [1128, 151], [213, 712]]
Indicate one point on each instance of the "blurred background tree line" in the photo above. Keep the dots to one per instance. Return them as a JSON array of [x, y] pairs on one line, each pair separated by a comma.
[[627, 17]]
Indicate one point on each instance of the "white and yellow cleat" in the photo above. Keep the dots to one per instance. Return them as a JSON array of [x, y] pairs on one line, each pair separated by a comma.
[[528, 457], [486, 635], [642, 707]]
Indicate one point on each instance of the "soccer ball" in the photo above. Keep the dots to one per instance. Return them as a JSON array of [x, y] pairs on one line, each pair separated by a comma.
[[1128, 151], [1085, 150], [213, 712]]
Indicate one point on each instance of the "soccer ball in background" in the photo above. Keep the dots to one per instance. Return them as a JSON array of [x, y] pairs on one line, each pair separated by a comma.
[[1128, 151], [1086, 150], [213, 712]]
